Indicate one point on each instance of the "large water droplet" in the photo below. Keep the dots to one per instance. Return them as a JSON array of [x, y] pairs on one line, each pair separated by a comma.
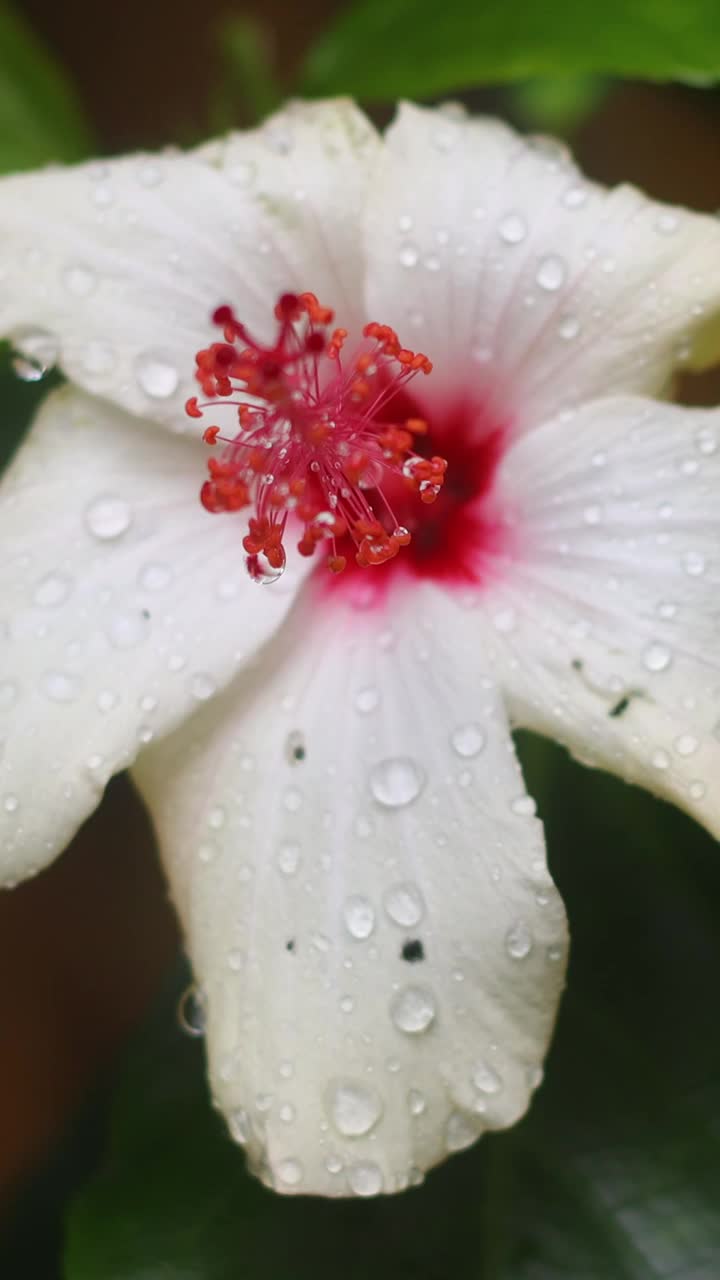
[[359, 917], [409, 255], [353, 1108], [365, 1179], [290, 1172], [467, 740], [551, 273], [396, 782], [485, 1079], [108, 517], [52, 590], [518, 940], [404, 904], [191, 1012], [657, 657], [156, 375], [413, 1010], [35, 353], [512, 228], [261, 571], [127, 629], [59, 686], [461, 1131]]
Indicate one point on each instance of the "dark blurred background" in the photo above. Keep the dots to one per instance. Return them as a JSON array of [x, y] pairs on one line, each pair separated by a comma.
[[84, 948]]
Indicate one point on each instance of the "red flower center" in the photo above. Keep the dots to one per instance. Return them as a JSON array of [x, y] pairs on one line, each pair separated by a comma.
[[337, 451]]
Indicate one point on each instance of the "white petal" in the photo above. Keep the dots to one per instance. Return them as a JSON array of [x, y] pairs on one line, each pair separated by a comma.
[[123, 262], [529, 287], [358, 799], [607, 624], [123, 605]]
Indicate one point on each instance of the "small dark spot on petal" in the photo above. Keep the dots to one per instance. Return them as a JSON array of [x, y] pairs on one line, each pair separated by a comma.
[[620, 707], [576, 664], [145, 613], [290, 944], [413, 950]]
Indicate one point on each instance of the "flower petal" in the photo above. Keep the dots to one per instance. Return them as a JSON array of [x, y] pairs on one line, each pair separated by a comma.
[[365, 897], [124, 606], [519, 277], [607, 622], [123, 262]]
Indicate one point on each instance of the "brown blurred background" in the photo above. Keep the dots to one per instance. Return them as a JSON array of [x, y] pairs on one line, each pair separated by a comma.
[[84, 947]]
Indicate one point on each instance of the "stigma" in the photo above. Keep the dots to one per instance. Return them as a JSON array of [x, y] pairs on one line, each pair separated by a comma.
[[312, 452]]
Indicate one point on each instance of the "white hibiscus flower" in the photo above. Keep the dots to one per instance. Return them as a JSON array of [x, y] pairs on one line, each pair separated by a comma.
[[327, 759]]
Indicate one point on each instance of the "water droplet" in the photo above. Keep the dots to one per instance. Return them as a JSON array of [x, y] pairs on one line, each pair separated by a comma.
[[485, 1079], [156, 375], [413, 1010], [518, 940], [396, 782], [11, 804], [290, 1172], [525, 806], [240, 1126], [79, 280], [202, 685], [694, 564], [52, 590], [697, 789], [292, 799], [35, 353], [660, 759], [467, 740], [155, 577], [569, 327], [108, 517], [416, 1102], [126, 630], [656, 657], [359, 917], [365, 1179], [686, 744], [408, 255], [191, 1011], [262, 571], [404, 904], [574, 197], [666, 223], [59, 686], [551, 273], [513, 228], [461, 1131], [353, 1108], [367, 699], [287, 858]]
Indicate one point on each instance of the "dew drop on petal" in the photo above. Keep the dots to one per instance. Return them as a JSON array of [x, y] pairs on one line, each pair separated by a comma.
[[367, 699], [461, 1131], [657, 657], [287, 858], [416, 1102], [59, 686], [202, 686], [359, 917], [525, 806], [694, 564], [486, 1079], [156, 375], [353, 1108], [518, 940], [404, 904], [290, 1172], [467, 740], [127, 629], [35, 353], [686, 744], [413, 1010], [52, 590], [551, 273], [191, 1012], [512, 228], [365, 1179], [396, 782], [108, 517], [155, 576]]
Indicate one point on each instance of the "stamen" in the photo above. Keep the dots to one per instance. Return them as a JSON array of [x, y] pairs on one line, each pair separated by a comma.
[[311, 445]]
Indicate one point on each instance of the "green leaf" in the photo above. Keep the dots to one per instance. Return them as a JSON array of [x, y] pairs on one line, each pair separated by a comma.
[[382, 49], [615, 1173], [40, 120]]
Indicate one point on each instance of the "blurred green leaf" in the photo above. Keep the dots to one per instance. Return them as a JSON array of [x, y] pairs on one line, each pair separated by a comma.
[[40, 119], [382, 49], [615, 1173], [246, 88]]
